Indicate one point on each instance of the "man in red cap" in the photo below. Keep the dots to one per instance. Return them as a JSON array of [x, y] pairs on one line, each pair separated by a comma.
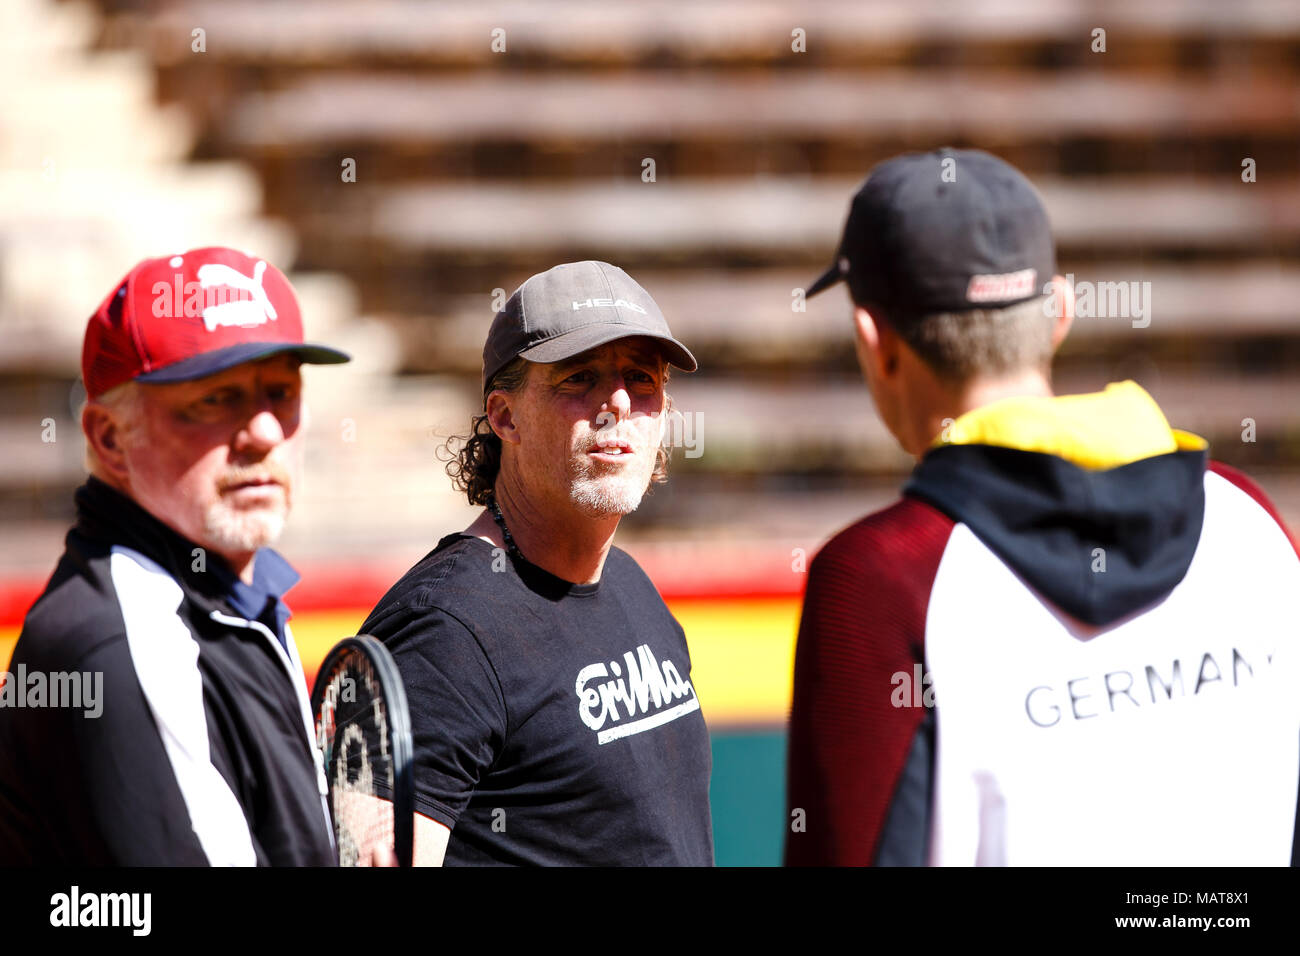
[[156, 711]]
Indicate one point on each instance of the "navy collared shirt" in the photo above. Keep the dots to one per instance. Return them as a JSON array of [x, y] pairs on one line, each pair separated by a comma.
[[262, 600]]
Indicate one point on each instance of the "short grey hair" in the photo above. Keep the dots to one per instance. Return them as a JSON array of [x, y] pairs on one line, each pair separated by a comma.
[[960, 346], [124, 402]]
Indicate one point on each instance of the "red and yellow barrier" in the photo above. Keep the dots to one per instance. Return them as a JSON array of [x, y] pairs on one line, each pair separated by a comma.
[[741, 630]]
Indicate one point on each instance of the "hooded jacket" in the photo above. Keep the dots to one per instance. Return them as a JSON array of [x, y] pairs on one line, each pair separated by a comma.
[[149, 717], [1069, 643]]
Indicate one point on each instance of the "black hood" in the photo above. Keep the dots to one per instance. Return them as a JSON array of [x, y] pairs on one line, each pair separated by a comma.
[[1046, 517]]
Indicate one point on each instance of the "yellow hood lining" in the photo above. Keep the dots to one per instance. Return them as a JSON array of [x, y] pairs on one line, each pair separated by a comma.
[[1116, 426]]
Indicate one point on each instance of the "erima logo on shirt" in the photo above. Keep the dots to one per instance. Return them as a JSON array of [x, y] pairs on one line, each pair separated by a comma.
[[649, 690], [607, 303]]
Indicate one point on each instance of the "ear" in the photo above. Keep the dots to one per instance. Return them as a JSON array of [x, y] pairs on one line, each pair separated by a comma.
[[500, 415], [105, 436], [877, 345], [1062, 302]]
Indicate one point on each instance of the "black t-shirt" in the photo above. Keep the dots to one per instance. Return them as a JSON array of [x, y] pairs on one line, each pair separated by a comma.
[[554, 723]]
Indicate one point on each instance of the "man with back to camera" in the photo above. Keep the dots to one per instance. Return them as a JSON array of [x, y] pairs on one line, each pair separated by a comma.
[[553, 714], [1069, 642], [166, 605]]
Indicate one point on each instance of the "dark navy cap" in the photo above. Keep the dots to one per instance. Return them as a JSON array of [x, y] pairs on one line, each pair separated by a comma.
[[947, 231]]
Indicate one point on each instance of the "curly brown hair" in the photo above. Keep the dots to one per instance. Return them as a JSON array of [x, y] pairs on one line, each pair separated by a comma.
[[474, 465]]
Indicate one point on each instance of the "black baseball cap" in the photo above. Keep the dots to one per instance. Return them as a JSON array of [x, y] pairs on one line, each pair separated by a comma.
[[570, 308], [947, 231]]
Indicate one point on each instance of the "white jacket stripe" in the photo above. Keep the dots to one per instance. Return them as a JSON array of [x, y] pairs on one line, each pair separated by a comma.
[[165, 656]]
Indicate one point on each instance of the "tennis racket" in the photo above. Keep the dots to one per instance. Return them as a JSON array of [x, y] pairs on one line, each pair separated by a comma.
[[363, 729]]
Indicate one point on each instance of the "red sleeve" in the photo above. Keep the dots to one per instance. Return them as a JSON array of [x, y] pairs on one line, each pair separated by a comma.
[[1249, 487], [863, 622]]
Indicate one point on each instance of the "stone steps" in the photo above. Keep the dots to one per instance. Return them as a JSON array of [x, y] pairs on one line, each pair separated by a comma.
[[309, 33]]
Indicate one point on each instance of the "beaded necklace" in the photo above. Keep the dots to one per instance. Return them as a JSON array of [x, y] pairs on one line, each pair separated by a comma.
[[511, 548]]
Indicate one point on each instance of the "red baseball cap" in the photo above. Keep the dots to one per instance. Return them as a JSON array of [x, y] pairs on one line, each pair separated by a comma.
[[186, 316]]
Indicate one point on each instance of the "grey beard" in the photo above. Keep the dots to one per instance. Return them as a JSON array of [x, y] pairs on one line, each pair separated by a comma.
[[232, 530], [606, 496]]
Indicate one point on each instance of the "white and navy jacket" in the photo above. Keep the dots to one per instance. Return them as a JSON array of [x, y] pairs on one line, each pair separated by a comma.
[[201, 750], [1073, 641]]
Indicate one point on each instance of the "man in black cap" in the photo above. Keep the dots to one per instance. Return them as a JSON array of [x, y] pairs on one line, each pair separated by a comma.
[[554, 717], [1042, 653]]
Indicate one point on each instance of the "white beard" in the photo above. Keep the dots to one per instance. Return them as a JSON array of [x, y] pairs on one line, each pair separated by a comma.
[[235, 530], [599, 491], [610, 495]]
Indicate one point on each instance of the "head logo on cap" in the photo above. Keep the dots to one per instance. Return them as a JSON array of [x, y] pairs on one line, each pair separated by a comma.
[[608, 304], [571, 308]]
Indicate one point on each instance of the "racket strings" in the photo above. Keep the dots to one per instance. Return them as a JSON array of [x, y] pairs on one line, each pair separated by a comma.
[[360, 770]]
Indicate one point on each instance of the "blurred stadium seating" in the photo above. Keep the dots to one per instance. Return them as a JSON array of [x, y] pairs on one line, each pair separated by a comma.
[[476, 168]]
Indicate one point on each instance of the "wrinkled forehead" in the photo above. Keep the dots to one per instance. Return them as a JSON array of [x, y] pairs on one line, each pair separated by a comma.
[[637, 348]]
